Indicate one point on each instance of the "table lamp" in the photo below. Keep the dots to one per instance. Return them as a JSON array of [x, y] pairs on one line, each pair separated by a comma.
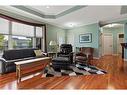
[[53, 45]]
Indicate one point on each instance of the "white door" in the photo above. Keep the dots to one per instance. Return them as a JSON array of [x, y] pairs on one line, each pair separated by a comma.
[[108, 43]]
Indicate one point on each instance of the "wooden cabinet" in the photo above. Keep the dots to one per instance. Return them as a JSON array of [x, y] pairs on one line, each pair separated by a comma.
[[124, 46]]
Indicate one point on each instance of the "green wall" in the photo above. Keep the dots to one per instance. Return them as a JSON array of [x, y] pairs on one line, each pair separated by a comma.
[[114, 32], [92, 28], [54, 33], [72, 35], [125, 33]]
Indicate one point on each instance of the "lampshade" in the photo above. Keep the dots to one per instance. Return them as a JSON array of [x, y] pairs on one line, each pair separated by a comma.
[[52, 43]]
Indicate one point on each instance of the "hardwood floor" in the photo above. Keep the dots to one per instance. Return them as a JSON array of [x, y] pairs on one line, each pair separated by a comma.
[[116, 78]]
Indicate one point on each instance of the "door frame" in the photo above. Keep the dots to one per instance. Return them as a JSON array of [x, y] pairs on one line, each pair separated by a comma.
[[103, 34], [118, 41]]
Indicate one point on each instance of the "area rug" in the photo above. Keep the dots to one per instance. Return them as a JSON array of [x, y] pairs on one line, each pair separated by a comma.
[[73, 70]]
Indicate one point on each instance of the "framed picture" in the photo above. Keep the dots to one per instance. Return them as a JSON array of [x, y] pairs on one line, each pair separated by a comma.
[[85, 38]]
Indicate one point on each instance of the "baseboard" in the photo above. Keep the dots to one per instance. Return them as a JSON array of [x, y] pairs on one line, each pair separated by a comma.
[[96, 58], [125, 59], [115, 54]]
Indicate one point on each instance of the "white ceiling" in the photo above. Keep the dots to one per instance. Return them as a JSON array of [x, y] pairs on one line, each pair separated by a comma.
[[88, 15], [83, 16], [51, 10]]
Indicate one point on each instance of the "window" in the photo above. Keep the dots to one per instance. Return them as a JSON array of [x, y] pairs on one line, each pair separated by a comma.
[[39, 37], [22, 29], [39, 32], [3, 43], [39, 43], [4, 26], [121, 35], [4, 29], [21, 42], [14, 35], [22, 35]]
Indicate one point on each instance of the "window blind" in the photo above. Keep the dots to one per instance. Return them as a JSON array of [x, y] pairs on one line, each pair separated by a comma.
[[22, 29], [4, 26]]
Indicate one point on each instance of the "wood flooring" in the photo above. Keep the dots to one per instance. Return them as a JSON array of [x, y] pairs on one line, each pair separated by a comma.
[[116, 78]]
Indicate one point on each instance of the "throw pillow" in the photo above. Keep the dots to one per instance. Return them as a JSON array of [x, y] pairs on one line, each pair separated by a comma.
[[38, 53]]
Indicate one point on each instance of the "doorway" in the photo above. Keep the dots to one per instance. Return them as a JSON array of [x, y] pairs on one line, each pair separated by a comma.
[[112, 36], [120, 39]]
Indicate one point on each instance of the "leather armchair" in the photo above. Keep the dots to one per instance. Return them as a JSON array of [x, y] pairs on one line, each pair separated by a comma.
[[64, 57], [66, 51], [81, 58], [88, 51]]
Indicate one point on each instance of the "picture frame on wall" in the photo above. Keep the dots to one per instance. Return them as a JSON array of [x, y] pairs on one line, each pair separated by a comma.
[[85, 38]]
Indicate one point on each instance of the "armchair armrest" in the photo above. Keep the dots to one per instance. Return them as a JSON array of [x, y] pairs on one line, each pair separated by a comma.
[[2, 65], [45, 54], [71, 57], [59, 54], [2, 59]]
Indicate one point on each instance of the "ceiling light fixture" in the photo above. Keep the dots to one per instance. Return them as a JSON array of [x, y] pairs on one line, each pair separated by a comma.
[[71, 24], [47, 7]]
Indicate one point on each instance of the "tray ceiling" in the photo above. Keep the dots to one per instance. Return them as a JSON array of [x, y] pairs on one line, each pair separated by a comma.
[[69, 16]]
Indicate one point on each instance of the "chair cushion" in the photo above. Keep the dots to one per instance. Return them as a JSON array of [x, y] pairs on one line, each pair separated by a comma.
[[81, 58], [60, 59], [61, 63]]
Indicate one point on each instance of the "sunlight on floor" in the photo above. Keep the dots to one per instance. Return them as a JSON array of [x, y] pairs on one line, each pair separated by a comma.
[[70, 86], [110, 87]]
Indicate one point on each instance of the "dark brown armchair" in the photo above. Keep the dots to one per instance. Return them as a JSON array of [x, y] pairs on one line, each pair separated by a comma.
[[80, 57], [88, 51]]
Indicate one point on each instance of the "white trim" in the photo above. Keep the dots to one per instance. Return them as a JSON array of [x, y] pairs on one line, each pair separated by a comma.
[[118, 41]]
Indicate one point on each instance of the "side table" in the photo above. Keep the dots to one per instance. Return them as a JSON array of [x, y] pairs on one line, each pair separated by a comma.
[[52, 54]]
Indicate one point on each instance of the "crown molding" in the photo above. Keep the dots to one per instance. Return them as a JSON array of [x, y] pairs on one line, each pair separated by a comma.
[[42, 15]]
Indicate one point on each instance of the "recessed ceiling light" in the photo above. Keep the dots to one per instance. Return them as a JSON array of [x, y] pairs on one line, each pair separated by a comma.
[[70, 24]]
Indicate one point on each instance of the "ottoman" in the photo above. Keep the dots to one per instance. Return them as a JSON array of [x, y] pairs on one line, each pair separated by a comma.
[[61, 63]]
